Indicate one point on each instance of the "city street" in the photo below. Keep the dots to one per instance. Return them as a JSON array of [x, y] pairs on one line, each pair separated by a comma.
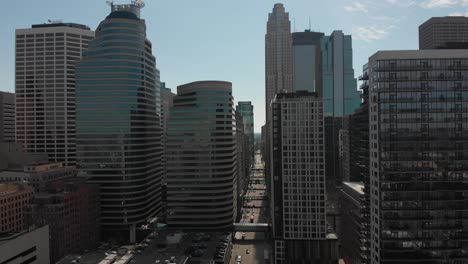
[[254, 209]]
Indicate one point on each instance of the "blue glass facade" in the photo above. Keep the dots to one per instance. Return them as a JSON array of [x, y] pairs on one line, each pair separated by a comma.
[[340, 94], [118, 124]]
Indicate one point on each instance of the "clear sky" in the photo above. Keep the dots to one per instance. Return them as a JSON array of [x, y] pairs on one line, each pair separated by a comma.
[[224, 39]]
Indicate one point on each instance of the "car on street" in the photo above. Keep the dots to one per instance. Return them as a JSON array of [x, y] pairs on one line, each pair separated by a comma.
[[247, 251]]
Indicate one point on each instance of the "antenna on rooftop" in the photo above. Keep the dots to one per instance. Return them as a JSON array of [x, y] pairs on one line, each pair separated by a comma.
[[309, 23]]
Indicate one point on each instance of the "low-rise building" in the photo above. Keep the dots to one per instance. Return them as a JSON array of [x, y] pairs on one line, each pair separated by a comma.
[[39, 176], [13, 199], [25, 247], [71, 209]]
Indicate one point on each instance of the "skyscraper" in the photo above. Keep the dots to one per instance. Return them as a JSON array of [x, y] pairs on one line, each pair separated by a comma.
[[306, 61], [278, 59], [278, 66], [201, 157], [246, 110], [418, 156], [340, 99], [449, 32], [118, 126], [167, 97], [340, 93], [45, 88], [298, 175], [7, 117]]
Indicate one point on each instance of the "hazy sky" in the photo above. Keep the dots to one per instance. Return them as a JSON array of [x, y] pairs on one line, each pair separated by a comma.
[[224, 39]]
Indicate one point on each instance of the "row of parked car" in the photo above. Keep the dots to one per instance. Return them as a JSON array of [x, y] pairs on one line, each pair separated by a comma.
[[223, 249]]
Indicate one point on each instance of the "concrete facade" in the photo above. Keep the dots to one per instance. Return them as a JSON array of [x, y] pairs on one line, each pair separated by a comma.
[[39, 176], [449, 32], [298, 180], [7, 117], [25, 247], [45, 88]]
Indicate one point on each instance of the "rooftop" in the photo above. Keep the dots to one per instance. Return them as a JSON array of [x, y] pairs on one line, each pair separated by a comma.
[[61, 24], [356, 186]]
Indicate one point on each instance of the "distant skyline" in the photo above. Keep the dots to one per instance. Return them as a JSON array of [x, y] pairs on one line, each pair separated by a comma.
[[218, 40]]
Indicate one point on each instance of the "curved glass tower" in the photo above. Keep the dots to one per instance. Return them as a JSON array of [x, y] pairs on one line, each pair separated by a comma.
[[118, 126], [201, 157]]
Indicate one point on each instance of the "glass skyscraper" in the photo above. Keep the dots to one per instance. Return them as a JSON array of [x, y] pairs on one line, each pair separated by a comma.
[[340, 93], [340, 99], [118, 126], [201, 158], [419, 151], [246, 111]]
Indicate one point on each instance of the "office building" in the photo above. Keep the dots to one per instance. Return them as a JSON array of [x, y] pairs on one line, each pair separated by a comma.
[[167, 97], [351, 222], [25, 247], [7, 117], [298, 176], [244, 159], [38, 176], [340, 93], [306, 61], [119, 136], [201, 158], [450, 32], [246, 110], [13, 200], [340, 99], [278, 51], [45, 88], [418, 156], [71, 209], [278, 66]]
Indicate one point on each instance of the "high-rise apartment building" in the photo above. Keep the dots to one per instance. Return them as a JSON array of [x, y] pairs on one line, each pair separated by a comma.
[[7, 117], [45, 88], [246, 110], [449, 32], [418, 156], [13, 200], [201, 157], [298, 176], [307, 71], [351, 222], [118, 127]]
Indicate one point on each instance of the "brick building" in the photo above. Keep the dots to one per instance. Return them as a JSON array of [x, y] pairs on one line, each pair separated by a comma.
[[13, 199], [71, 209]]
